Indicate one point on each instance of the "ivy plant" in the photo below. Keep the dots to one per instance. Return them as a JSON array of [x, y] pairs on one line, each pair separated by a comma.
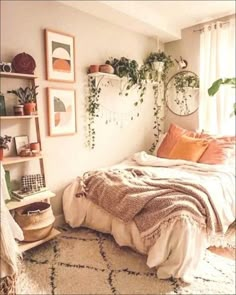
[[157, 108], [129, 69], [159, 56], [92, 110]]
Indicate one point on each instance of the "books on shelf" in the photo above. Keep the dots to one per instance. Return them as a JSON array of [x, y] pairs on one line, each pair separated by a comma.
[[20, 196]]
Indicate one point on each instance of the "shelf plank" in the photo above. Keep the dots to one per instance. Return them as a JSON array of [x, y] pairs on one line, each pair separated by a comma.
[[114, 77], [24, 246], [17, 159], [17, 117], [106, 75], [18, 76], [14, 204]]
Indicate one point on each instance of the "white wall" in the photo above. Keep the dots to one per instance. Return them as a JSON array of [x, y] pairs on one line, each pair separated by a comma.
[[22, 25]]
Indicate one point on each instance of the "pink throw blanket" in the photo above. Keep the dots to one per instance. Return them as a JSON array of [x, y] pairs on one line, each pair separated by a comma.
[[136, 195]]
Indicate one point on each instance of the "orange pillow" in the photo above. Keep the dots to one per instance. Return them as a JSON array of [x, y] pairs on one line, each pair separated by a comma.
[[221, 150], [188, 148], [173, 135]]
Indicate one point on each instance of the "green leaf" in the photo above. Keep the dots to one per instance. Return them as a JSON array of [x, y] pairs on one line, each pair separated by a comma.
[[215, 87]]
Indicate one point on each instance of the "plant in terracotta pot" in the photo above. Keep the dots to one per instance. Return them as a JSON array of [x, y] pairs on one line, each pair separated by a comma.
[[4, 140], [27, 97]]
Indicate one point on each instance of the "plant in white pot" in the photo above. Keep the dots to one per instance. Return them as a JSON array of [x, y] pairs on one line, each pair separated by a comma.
[[157, 62], [27, 98]]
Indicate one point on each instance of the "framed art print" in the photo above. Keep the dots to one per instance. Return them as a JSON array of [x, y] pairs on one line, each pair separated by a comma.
[[22, 142], [60, 56], [61, 111]]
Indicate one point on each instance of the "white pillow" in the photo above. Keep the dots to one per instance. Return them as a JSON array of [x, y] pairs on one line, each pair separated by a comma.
[[161, 138]]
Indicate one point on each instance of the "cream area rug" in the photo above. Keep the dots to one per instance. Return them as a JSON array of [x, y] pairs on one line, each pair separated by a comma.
[[82, 261]]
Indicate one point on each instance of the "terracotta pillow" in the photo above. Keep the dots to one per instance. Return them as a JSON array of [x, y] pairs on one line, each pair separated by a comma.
[[221, 150], [188, 148], [173, 135]]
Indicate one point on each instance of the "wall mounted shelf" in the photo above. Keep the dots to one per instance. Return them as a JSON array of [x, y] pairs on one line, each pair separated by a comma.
[[104, 75]]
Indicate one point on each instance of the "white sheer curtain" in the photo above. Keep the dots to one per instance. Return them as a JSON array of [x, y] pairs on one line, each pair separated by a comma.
[[217, 60]]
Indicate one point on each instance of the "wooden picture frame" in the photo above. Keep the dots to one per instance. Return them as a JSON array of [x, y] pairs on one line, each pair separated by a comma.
[[61, 111], [21, 142], [60, 56]]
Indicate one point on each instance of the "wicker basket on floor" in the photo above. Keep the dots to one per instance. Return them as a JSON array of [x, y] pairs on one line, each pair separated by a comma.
[[36, 221], [8, 285]]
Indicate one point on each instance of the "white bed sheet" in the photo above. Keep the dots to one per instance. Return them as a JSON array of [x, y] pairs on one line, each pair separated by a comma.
[[178, 251]]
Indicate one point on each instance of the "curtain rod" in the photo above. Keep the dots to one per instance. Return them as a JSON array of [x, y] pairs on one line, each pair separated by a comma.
[[202, 29]]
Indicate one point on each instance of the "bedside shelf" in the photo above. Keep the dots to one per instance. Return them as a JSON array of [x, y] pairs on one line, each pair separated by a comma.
[[15, 160], [17, 117], [24, 246], [13, 204], [17, 76]]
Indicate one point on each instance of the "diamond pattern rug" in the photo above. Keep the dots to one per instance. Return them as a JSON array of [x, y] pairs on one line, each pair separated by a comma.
[[83, 261]]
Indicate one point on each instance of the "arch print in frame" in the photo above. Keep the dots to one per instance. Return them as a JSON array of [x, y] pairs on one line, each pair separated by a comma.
[[60, 56], [61, 111]]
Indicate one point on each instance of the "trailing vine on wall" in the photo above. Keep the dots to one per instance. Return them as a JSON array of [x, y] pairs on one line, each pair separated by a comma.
[[137, 78], [92, 110], [157, 109]]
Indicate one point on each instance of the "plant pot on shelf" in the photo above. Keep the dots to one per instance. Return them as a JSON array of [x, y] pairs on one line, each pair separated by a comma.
[[29, 108], [1, 154], [18, 110], [94, 69], [158, 66], [106, 69]]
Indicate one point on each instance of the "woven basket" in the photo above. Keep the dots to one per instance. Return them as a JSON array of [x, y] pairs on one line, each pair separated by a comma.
[[36, 221]]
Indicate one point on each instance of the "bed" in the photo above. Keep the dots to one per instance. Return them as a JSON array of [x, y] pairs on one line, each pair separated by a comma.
[[174, 240]]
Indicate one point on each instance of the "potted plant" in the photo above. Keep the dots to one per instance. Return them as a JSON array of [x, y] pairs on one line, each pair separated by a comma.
[[128, 68], [216, 86], [157, 62], [27, 97], [185, 80], [4, 144]]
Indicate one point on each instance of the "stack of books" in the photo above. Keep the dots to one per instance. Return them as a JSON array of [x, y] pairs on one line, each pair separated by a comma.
[[20, 195]]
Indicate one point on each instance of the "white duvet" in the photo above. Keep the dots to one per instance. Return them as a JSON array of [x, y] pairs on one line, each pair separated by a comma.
[[179, 249]]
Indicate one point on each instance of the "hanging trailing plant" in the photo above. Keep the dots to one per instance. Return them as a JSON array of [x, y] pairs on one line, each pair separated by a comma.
[[157, 108], [129, 69], [157, 62], [155, 69], [184, 80], [92, 110]]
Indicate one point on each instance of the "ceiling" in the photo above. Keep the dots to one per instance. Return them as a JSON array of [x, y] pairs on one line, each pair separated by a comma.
[[164, 19]]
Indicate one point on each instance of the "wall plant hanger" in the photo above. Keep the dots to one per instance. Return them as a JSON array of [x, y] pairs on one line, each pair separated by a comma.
[[182, 93]]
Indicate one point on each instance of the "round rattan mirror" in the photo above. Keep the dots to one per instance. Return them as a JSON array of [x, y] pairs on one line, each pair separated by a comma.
[[182, 93]]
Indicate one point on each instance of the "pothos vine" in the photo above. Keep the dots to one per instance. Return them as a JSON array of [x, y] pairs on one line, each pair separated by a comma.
[[157, 113], [137, 78], [92, 110]]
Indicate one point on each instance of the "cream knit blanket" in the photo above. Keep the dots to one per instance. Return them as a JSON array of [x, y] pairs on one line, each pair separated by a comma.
[[134, 194]]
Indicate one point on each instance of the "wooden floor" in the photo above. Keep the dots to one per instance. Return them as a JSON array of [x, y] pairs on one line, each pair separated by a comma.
[[226, 252]]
